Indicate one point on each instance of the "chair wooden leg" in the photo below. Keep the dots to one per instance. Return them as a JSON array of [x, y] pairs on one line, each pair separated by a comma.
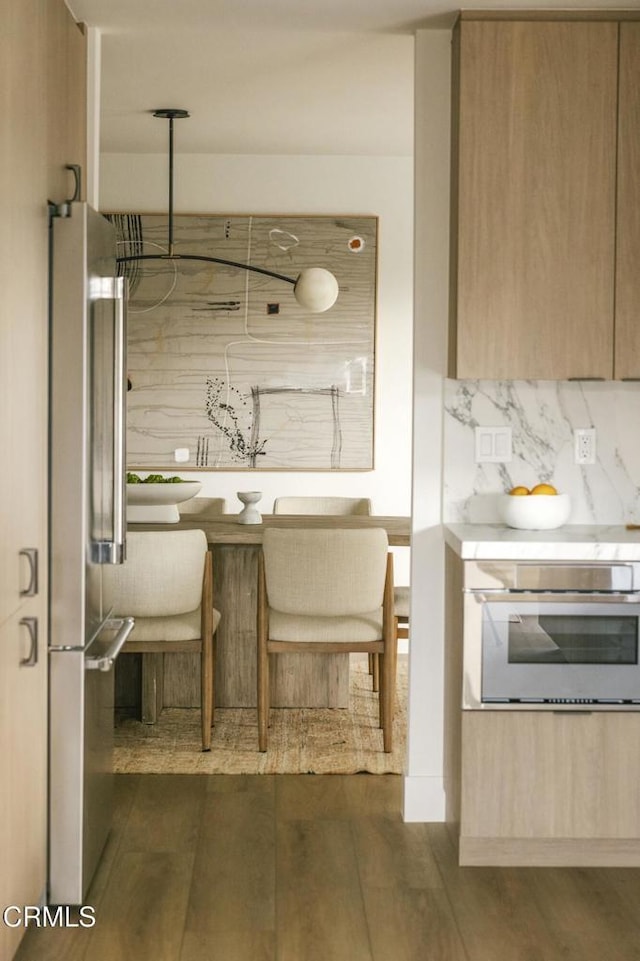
[[375, 671], [206, 691], [152, 684], [388, 660], [214, 652], [388, 693]]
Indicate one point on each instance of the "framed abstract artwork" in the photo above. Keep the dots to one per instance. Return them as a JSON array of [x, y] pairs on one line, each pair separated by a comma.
[[225, 367]]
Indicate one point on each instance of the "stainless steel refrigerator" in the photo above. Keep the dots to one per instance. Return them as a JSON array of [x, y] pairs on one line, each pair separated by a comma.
[[87, 531]]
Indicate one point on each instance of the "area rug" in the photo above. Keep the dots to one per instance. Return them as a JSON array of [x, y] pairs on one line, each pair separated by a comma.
[[301, 740]]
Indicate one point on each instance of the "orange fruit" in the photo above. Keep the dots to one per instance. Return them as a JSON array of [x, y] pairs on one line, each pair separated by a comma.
[[519, 490], [544, 489]]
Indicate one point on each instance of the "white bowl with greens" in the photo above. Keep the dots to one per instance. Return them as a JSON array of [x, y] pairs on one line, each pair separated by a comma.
[[154, 499]]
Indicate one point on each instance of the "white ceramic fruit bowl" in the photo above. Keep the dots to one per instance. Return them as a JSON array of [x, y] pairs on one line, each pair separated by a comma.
[[157, 503], [535, 512]]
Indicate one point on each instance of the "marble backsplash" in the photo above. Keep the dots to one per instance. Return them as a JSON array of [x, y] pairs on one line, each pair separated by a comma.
[[542, 416]]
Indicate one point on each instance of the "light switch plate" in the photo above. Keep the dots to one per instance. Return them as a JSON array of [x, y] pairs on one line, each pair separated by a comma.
[[493, 445]]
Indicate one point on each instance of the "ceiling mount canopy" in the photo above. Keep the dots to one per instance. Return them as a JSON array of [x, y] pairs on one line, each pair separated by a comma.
[[315, 288]]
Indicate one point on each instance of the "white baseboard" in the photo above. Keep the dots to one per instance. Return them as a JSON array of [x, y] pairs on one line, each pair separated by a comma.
[[424, 799]]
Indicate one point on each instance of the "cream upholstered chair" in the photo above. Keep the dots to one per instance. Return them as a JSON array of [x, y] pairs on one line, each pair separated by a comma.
[[166, 584], [338, 506], [343, 506], [326, 592]]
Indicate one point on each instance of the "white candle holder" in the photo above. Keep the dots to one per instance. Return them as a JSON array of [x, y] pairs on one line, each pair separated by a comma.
[[249, 513]]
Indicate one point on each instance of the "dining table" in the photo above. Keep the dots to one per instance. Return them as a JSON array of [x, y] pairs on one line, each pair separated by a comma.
[[297, 680]]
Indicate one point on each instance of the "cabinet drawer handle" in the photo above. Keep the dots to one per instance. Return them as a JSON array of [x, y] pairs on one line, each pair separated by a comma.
[[587, 378], [31, 624], [31, 553]]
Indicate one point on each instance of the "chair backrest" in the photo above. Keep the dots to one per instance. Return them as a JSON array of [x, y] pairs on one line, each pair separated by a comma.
[[161, 577], [325, 573], [338, 506], [203, 505]]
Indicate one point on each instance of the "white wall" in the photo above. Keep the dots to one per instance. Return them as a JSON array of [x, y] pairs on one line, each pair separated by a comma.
[[424, 797], [382, 186]]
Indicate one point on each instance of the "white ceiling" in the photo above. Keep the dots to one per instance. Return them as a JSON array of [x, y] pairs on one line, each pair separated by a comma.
[[266, 76]]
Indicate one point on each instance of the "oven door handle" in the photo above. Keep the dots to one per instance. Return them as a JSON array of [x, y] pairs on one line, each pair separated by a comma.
[[551, 597]]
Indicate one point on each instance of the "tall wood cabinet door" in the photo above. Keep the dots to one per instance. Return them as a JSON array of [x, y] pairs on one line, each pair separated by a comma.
[[23, 476], [24, 239], [66, 122], [627, 340], [7, 594], [39, 42], [23, 806], [535, 189]]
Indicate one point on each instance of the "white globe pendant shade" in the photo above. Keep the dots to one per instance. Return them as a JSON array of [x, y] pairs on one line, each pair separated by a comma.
[[316, 289]]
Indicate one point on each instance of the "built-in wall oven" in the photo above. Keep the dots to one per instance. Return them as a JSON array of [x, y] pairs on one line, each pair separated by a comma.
[[553, 635]]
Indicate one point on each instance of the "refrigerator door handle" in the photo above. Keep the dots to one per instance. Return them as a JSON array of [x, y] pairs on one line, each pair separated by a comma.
[[120, 416], [105, 661], [111, 549]]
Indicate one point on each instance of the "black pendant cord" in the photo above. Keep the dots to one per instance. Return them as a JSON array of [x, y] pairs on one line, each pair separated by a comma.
[[171, 114], [171, 186]]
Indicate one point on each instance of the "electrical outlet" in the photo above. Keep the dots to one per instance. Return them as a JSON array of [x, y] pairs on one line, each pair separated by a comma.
[[585, 445]]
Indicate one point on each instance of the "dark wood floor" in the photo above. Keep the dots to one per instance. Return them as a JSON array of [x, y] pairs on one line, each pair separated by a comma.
[[322, 868]]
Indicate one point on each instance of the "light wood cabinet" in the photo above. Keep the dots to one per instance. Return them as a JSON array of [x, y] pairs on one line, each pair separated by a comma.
[[23, 418], [545, 787], [23, 791], [42, 57], [627, 339], [534, 289]]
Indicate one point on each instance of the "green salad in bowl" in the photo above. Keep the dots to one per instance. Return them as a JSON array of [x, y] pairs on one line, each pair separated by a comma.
[[153, 479]]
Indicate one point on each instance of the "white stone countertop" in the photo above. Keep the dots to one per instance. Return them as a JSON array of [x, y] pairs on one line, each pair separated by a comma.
[[573, 542]]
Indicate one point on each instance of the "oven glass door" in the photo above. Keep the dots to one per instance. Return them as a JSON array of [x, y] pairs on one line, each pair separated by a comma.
[[554, 652]]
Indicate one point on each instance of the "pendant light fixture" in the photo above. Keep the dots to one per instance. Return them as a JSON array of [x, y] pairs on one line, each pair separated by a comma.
[[315, 288]]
